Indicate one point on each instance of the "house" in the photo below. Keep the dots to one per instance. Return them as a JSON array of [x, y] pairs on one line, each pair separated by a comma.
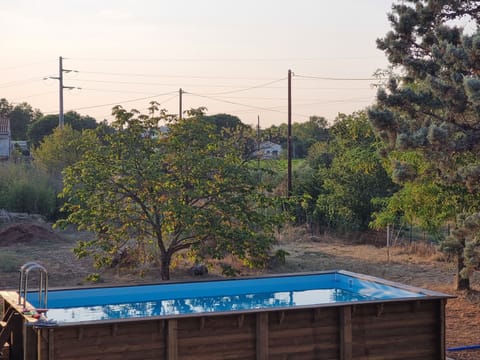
[[268, 150], [5, 138]]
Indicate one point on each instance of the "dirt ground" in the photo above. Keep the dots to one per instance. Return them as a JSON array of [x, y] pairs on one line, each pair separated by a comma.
[[417, 264]]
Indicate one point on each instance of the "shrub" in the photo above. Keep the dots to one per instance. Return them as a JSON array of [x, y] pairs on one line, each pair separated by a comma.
[[26, 189]]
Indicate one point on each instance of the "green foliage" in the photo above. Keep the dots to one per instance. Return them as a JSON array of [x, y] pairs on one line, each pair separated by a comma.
[[464, 242], [304, 135], [21, 116], [57, 151], [433, 108], [185, 190], [224, 122], [46, 124], [350, 173], [25, 189], [94, 278]]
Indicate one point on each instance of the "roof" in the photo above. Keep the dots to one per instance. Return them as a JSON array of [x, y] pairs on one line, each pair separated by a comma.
[[4, 125]]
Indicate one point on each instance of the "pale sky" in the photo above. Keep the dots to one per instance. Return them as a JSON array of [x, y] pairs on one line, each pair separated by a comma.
[[229, 56]]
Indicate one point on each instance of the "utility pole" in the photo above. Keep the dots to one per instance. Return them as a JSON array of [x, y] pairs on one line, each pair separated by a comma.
[[289, 136], [61, 70], [180, 110], [258, 146], [60, 87]]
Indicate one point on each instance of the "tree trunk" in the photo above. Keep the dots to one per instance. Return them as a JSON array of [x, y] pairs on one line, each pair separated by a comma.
[[165, 266], [461, 282]]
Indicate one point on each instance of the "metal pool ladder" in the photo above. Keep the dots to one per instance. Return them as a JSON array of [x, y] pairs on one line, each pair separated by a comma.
[[42, 284]]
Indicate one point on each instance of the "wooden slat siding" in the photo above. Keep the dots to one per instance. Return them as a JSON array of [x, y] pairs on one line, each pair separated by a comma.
[[51, 344], [262, 336], [16, 346], [42, 344], [305, 334], [396, 331], [221, 338], [345, 317], [442, 303], [172, 339], [29, 342], [399, 332], [110, 345], [143, 340]]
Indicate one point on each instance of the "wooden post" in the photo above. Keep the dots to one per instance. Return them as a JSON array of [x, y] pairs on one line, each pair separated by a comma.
[[289, 136], [442, 303], [51, 344], [29, 342], [172, 340], [39, 344], [262, 336], [16, 346], [346, 333], [388, 243]]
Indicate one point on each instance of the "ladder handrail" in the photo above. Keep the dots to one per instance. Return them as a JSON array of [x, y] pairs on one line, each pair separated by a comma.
[[23, 283]]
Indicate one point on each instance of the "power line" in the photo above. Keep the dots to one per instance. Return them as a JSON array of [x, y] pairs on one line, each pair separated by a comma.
[[123, 101], [20, 82], [271, 109], [116, 91], [335, 78], [34, 95], [244, 88], [216, 59], [25, 65], [233, 102], [175, 76], [250, 88]]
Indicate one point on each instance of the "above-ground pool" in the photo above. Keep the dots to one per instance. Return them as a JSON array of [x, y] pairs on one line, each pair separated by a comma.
[[328, 315]]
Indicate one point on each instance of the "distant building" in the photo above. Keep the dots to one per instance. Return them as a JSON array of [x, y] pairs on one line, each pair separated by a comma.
[[5, 138], [268, 150]]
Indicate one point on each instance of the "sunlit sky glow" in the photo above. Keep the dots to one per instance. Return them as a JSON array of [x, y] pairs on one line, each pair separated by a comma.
[[229, 56]]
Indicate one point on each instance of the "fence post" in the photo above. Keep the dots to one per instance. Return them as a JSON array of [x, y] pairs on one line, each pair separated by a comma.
[[388, 243]]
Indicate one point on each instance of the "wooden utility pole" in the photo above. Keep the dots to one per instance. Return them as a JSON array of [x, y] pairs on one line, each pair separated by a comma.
[[258, 146], [60, 81], [180, 110], [289, 136]]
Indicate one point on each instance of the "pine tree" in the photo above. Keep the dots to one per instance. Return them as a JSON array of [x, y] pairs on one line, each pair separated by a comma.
[[433, 106]]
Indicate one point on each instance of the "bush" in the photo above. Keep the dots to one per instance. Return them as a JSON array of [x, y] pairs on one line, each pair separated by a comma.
[[26, 189]]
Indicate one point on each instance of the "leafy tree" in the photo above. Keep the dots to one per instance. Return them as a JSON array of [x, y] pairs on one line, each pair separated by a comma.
[[5, 107], [352, 174], [224, 122], [159, 195], [21, 116], [231, 126], [421, 200], [46, 124], [336, 185], [304, 135], [57, 151], [433, 107]]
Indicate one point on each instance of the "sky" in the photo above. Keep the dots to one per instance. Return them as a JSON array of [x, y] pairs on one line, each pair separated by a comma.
[[228, 56]]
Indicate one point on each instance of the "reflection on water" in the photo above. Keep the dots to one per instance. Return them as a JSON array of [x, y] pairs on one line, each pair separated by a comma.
[[203, 305]]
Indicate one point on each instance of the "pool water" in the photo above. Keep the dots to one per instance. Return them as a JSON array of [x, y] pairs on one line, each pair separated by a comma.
[[110, 303], [202, 305]]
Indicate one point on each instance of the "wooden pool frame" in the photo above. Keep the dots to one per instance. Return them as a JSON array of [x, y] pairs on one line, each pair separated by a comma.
[[400, 329]]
